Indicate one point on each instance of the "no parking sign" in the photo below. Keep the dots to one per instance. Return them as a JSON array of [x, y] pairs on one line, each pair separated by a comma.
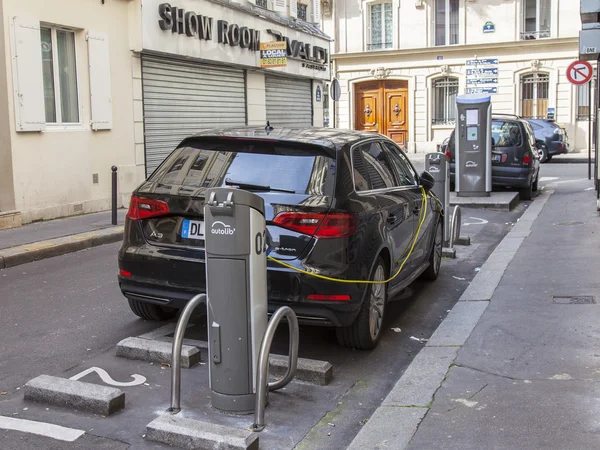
[[580, 72]]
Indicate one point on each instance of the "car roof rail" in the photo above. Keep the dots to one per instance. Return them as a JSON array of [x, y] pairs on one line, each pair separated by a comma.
[[516, 116]]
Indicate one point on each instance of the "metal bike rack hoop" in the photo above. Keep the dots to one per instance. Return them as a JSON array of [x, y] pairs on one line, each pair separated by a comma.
[[176, 351], [455, 226], [262, 379]]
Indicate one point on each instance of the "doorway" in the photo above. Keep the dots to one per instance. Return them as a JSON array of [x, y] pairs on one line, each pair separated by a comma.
[[382, 107]]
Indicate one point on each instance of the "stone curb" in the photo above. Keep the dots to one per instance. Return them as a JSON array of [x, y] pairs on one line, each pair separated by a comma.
[[188, 433], [156, 351], [396, 421], [76, 395], [308, 370], [23, 254]]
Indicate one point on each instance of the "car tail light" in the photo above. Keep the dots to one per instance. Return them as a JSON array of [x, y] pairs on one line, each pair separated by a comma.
[[328, 298], [144, 208], [124, 273], [321, 225], [526, 158], [448, 153], [561, 147]]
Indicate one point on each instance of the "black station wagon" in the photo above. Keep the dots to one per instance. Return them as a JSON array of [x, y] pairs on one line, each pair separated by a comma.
[[344, 204]]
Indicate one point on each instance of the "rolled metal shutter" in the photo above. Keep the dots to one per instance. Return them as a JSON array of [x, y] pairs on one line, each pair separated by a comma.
[[184, 97], [289, 102]]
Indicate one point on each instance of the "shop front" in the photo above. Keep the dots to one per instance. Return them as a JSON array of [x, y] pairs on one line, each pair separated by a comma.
[[201, 68]]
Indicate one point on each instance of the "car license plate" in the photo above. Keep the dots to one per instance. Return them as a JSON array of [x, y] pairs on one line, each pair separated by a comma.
[[192, 229], [495, 158]]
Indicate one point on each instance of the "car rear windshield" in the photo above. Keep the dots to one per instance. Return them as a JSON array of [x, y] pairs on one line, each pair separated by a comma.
[[277, 168], [506, 134]]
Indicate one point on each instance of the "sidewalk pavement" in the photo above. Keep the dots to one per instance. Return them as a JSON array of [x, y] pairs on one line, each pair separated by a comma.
[[41, 240], [516, 363]]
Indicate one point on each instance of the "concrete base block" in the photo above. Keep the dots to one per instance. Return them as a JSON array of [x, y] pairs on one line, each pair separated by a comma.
[[309, 370], [192, 434], [503, 201], [449, 253], [463, 240], [156, 351], [76, 395]]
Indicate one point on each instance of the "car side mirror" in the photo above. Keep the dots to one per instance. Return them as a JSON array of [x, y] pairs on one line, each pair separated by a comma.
[[427, 181]]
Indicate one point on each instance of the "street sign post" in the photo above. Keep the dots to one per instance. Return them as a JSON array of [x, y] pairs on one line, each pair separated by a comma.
[[580, 72]]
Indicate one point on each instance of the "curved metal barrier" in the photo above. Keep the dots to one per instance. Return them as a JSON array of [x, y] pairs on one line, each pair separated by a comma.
[[176, 350], [455, 226], [262, 377]]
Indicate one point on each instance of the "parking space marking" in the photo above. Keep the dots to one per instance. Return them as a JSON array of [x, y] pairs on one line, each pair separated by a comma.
[[481, 222], [137, 379], [41, 429]]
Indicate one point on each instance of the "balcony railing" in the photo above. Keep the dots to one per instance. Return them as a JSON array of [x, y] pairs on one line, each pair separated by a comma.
[[532, 35], [379, 46], [262, 3]]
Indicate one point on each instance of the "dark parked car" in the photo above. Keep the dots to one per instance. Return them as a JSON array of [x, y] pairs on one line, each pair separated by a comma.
[[344, 204], [552, 138], [515, 159]]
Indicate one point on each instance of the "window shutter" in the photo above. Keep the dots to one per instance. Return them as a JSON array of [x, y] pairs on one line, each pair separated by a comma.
[[293, 8], [280, 6], [100, 86], [28, 81], [316, 11]]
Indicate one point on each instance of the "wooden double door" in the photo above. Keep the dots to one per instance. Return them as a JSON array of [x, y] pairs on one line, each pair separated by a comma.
[[382, 107]]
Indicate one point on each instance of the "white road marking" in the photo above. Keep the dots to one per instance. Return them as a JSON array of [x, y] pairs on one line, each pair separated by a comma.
[[41, 429], [481, 222], [548, 178], [137, 379], [590, 188]]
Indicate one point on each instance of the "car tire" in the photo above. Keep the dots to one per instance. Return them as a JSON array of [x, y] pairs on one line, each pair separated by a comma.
[[526, 193], [549, 158], [365, 332], [435, 257], [543, 154], [150, 311], [534, 187]]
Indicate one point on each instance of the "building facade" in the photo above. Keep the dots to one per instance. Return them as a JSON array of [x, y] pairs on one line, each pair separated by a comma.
[[401, 64], [85, 85]]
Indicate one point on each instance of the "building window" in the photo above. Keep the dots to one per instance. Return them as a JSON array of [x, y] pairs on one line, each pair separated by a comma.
[[381, 23], [446, 22], [302, 11], [445, 91], [536, 19], [262, 4], [583, 100], [60, 75], [534, 95]]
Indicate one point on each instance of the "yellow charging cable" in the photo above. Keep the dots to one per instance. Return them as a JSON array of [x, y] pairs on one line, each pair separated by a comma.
[[339, 280]]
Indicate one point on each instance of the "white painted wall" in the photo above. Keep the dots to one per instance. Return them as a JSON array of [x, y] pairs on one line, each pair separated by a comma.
[[53, 169]]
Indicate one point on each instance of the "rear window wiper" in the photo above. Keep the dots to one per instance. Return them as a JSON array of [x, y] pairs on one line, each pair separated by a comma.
[[256, 187]]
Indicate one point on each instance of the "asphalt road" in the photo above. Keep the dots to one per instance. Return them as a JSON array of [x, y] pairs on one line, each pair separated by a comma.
[[63, 313]]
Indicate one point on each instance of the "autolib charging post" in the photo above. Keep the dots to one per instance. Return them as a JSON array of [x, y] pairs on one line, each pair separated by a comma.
[[239, 332], [473, 145]]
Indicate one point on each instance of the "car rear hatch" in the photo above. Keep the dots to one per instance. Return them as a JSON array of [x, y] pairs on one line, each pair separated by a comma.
[[296, 181], [509, 145]]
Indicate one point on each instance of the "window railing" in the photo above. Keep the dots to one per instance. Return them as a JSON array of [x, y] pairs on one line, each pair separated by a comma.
[[302, 11], [379, 46], [532, 35]]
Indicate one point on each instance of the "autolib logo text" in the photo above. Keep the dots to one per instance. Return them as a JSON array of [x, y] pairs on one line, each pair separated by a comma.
[[219, 227]]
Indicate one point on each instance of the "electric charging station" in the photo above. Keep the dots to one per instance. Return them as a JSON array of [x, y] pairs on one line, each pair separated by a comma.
[[236, 276], [437, 164], [473, 145]]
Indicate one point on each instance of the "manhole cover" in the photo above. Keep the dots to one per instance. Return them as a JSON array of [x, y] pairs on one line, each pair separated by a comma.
[[567, 224], [574, 300]]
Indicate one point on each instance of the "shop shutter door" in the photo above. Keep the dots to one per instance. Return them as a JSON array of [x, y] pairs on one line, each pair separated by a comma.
[[181, 98], [289, 102]]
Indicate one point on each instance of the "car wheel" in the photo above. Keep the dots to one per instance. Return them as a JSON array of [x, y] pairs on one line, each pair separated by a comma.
[[549, 158], [526, 193], [365, 332], [150, 311], [543, 154], [435, 257]]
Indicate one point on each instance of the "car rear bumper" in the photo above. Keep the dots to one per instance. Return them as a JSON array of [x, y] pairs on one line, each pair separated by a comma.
[[558, 148], [285, 287], [518, 177]]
